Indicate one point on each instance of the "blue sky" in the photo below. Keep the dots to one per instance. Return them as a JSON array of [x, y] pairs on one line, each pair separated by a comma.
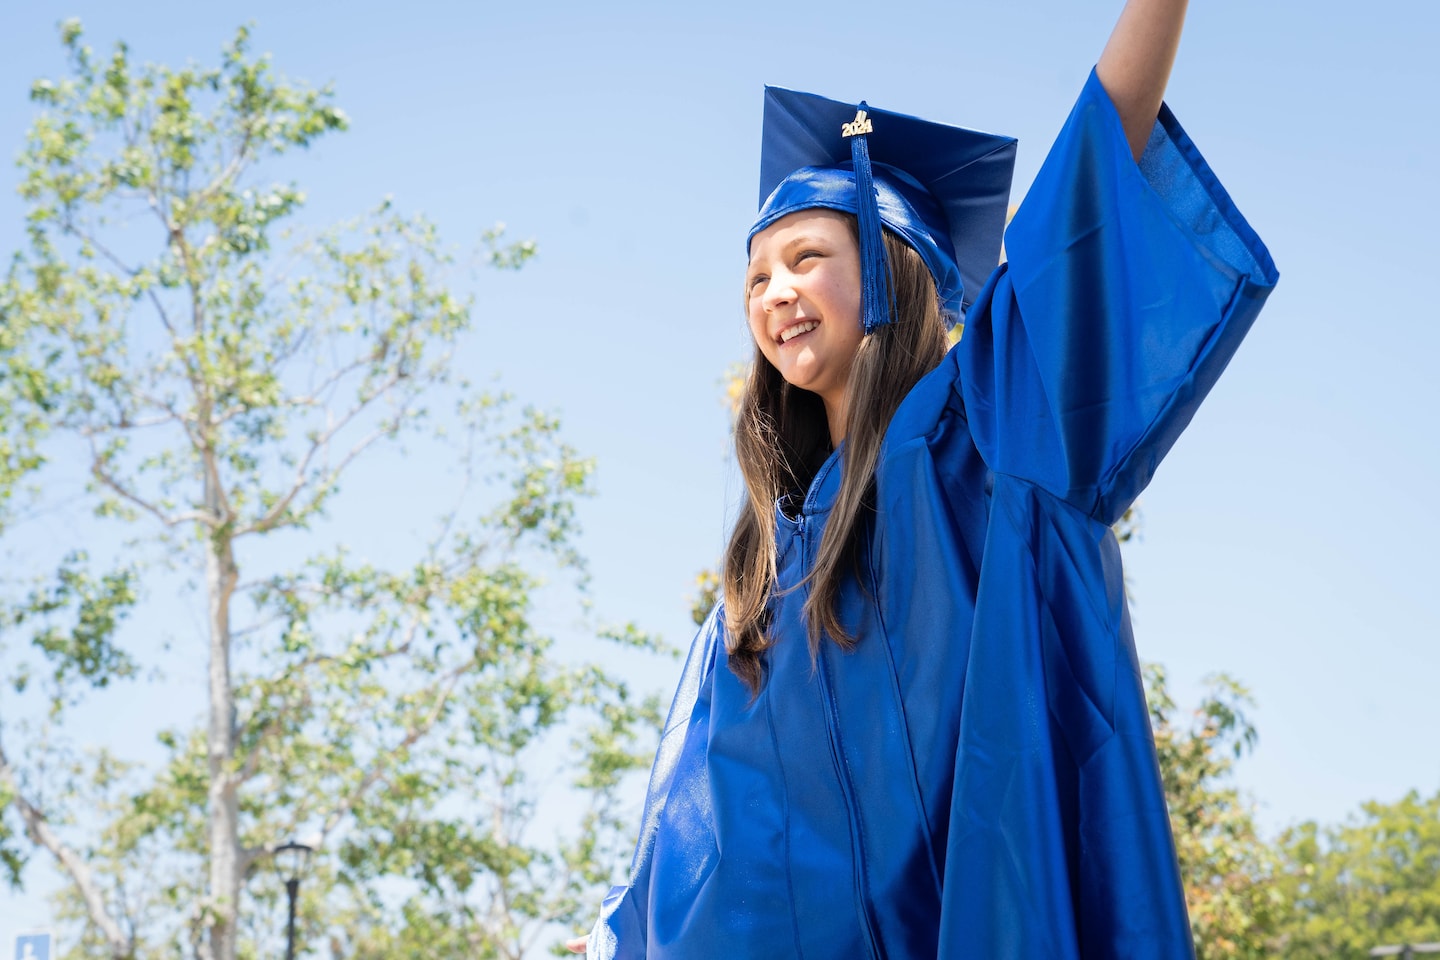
[[1289, 538]]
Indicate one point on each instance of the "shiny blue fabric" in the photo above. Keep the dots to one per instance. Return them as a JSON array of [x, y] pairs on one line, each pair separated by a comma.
[[977, 778], [904, 205], [955, 181]]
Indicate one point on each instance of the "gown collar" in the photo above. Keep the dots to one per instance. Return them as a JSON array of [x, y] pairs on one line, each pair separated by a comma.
[[818, 499], [825, 486]]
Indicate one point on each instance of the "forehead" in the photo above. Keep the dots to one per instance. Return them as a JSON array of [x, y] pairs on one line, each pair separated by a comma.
[[816, 223]]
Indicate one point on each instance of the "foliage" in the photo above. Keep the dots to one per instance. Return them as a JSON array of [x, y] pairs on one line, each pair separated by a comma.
[[1371, 881], [21, 392], [217, 376], [1226, 868], [707, 594]]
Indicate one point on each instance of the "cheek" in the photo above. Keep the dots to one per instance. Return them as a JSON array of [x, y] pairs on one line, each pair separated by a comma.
[[846, 298], [755, 319]]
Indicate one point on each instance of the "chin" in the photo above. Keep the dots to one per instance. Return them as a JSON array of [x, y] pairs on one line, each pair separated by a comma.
[[802, 383], [802, 375]]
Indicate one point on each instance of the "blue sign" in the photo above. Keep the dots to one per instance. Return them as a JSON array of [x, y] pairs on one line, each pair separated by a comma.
[[32, 946]]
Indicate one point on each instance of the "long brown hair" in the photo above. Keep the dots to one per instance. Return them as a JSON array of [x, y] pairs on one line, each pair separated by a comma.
[[781, 440]]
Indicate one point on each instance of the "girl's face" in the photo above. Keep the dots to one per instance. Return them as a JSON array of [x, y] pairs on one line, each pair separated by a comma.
[[803, 301]]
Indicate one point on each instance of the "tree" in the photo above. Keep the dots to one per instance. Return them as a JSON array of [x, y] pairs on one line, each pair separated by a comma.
[[1371, 881], [1226, 868], [218, 377]]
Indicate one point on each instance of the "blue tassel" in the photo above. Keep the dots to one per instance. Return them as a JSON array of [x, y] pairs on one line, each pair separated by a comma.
[[874, 266]]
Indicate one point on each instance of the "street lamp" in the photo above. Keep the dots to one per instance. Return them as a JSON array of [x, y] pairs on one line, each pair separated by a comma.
[[293, 858]]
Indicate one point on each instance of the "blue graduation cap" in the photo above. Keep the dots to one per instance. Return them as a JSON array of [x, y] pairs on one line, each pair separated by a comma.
[[942, 189]]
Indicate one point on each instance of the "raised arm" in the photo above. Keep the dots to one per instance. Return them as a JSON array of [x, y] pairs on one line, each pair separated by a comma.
[[1136, 64]]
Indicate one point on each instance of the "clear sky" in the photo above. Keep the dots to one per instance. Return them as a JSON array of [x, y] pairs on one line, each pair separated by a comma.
[[1290, 537]]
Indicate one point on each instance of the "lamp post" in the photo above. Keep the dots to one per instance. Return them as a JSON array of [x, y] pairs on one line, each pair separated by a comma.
[[293, 858]]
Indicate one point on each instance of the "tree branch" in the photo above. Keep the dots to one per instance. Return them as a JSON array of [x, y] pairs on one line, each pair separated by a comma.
[[87, 237], [321, 443], [249, 855], [332, 820], [313, 398], [252, 762], [98, 471], [233, 169], [187, 422], [38, 829]]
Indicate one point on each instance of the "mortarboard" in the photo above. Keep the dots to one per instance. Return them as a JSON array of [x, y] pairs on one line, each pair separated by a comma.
[[942, 189]]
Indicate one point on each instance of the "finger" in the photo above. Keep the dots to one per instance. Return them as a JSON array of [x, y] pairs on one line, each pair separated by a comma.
[[576, 946]]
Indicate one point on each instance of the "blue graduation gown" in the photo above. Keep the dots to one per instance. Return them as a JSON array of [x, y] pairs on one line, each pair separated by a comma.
[[977, 777]]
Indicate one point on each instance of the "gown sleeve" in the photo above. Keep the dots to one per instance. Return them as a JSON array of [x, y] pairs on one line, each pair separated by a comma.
[[1128, 288], [620, 932]]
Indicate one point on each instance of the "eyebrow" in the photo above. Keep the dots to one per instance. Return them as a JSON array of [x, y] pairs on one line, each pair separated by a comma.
[[797, 242]]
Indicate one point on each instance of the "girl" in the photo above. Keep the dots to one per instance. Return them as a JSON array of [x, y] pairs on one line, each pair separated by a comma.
[[914, 727]]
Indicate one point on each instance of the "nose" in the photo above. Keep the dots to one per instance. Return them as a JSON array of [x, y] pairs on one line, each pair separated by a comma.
[[779, 292]]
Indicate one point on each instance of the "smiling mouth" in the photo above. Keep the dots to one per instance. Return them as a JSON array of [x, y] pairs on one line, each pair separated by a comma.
[[791, 332]]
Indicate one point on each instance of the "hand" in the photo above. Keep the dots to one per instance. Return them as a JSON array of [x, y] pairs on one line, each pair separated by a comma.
[[576, 946]]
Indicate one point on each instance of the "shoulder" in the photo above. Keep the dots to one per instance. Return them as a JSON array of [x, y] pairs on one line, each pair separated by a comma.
[[925, 407], [929, 452]]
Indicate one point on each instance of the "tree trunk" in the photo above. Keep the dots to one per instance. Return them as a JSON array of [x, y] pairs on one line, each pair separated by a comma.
[[221, 576]]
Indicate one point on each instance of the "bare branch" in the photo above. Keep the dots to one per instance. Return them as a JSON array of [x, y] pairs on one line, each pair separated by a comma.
[[37, 828], [160, 309], [258, 625], [98, 471], [89, 238], [172, 415], [321, 444]]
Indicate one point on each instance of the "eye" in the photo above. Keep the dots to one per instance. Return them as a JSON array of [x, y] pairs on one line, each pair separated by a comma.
[[755, 281], [807, 254]]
